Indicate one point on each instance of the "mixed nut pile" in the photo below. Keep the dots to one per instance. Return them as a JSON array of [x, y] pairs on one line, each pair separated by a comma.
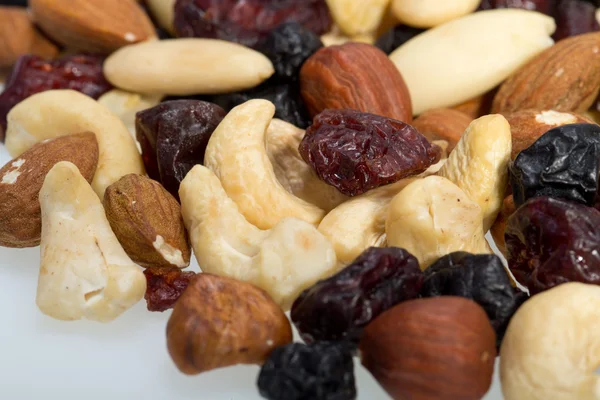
[[275, 140]]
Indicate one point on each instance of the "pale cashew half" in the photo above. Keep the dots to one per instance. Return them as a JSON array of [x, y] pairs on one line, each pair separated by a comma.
[[358, 17], [479, 164], [126, 104], [64, 112], [283, 261], [551, 349], [84, 272], [236, 153], [433, 217]]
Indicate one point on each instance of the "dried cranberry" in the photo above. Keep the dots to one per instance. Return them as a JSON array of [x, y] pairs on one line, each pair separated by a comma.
[[574, 17], [31, 74], [551, 241], [173, 136], [356, 151], [164, 286], [247, 21], [544, 6], [339, 307], [396, 37]]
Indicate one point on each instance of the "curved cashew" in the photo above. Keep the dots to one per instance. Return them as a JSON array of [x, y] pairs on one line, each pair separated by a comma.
[[283, 261], [294, 174], [84, 272], [126, 104], [64, 112], [433, 217], [479, 164], [236, 154]]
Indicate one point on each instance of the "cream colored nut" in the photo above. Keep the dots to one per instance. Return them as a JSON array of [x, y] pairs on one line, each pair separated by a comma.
[[336, 37], [84, 271], [433, 217], [468, 56], [430, 13], [294, 174], [283, 261], [64, 112], [163, 12], [357, 17], [126, 104], [551, 349], [479, 164], [187, 66], [236, 153]]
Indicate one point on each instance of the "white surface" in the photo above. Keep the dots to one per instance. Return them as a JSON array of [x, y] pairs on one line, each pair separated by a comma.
[[41, 358]]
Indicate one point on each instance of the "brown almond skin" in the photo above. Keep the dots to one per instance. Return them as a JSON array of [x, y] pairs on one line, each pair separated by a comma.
[[140, 210], [92, 26], [564, 77], [443, 124], [497, 230], [219, 322], [356, 76], [477, 106], [439, 348], [20, 214]]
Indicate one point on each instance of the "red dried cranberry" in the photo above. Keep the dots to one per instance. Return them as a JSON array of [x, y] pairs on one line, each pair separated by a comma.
[[356, 151], [164, 286], [247, 21], [574, 17]]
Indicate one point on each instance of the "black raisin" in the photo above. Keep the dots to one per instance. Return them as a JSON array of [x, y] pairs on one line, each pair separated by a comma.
[[396, 37]]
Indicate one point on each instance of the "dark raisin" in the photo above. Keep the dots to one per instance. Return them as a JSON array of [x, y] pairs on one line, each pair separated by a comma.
[[356, 151], [288, 46], [481, 278], [340, 306], [574, 17], [551, 241], [173, 136], [543, 6], [22, 3], [563, 163], [396, 37], [32, 74], [247, 21], [320, 371], [164, 286]]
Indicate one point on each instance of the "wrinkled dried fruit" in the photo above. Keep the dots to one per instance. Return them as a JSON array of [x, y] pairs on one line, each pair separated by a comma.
[[551, 241], [31, 75], [574, 17], [563, 163], [355, 151], [481, 278], [174, 136], [164, 286], [396, 37], [320, 371], [247, 21], [339, 307], [543, 6]]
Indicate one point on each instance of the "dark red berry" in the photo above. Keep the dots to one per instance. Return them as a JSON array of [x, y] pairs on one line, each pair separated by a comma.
[[574, 17], [544, 6], [164, 286]]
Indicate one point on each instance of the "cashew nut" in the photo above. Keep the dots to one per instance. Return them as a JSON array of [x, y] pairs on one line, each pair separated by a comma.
[[430, 13], [283, 261], [163, 12], [126, 104], [64, 112], [236, 153], [84, 271], [551, 348], [294, 174], [357, 17], [433, 217], [479, 164]]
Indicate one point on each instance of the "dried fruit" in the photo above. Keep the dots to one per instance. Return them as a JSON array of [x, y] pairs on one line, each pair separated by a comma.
[[31, 74], [246, 21], [396, 37], [563, 163], [356, 151], [164, 286], [551, 241], [574, 17], [543, 6], [173, 136], [320, 371], [339, 307]]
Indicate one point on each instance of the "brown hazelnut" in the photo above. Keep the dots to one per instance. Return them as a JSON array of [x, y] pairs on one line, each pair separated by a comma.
[[440, 348], [219, 322]]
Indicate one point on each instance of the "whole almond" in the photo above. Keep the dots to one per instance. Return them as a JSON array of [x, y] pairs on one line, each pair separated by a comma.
[[22, 178], [147, 221], [443, 124], [477, 106], [565, 77], [93, 26], [356, 76]]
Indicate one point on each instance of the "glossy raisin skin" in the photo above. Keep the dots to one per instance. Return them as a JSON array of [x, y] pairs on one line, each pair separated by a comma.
[[544, 6], [173, 136], [164, 286], [481, 278], [356, 151], [338, 308], [551, 241], [574, 17], [320, 371], [32, 74], [396, 37], [247, 21], [563, 163]]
